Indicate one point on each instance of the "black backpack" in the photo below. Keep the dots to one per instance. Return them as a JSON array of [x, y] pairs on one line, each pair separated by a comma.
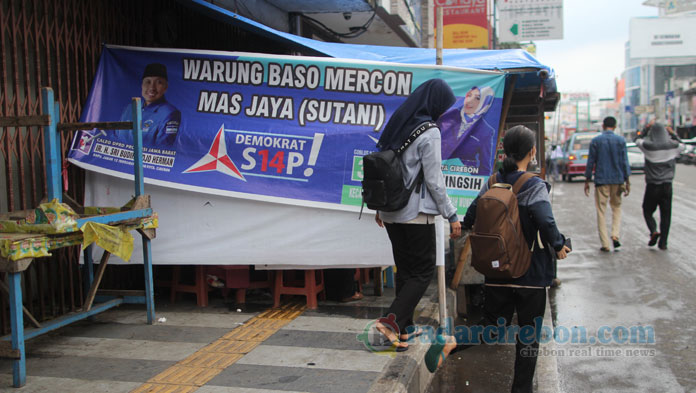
[[383, 181]]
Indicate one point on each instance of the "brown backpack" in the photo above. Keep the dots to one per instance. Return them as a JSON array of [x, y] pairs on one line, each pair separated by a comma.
[[498, 246]]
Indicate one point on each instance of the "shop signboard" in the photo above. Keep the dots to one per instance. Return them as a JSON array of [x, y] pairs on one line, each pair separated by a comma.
[[662, 37], [465, 23], [530, 20]]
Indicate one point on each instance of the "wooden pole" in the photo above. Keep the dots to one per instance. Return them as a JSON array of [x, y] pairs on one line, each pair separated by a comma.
[[441, 285]]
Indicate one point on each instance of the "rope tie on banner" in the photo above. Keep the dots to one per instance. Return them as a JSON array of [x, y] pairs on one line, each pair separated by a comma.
[[64, 173]]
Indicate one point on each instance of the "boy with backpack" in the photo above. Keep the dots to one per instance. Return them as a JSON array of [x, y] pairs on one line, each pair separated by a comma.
[[517, 275]]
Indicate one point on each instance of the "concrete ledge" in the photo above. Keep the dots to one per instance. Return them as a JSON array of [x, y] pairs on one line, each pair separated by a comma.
[[407, 373], [546, 375]]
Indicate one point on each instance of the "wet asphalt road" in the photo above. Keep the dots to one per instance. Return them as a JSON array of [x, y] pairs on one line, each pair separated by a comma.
[[637, 289], [637, 286]]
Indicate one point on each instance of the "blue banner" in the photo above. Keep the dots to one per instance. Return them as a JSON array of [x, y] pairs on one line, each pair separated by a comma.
[[283, 129]]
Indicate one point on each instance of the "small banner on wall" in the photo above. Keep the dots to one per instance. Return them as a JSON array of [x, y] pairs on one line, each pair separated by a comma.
[[284, 129]]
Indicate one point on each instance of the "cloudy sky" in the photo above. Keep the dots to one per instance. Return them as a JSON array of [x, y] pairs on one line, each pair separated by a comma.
[[592, 52]]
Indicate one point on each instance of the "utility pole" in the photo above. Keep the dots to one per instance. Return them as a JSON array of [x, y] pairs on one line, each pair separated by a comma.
[[440, 237], [494, 39]]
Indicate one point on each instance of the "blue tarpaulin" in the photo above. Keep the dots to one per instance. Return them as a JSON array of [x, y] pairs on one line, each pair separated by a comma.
[[511, 60]]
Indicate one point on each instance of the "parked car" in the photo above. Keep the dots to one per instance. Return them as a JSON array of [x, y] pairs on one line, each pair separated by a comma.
[[575, 150], [688, 156], [636, 158]]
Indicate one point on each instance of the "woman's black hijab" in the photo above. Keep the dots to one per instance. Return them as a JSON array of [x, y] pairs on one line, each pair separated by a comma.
[[430, 100], [659, 139]]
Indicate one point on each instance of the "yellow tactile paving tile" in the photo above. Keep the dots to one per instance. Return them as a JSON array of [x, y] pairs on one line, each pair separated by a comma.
[[164, 388], [182, 375], [202, 366], [211, 360], [244, 333], [289, 311], [231, 346], [266, 323]]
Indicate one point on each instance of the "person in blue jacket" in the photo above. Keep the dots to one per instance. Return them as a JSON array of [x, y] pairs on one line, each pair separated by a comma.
[[161, 119], [525, 295], [608, 162]]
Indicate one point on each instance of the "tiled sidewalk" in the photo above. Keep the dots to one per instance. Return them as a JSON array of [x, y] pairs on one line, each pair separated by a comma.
[[217, 349]]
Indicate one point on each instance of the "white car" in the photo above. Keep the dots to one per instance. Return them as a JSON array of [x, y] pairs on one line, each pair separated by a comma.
[[636, 158]]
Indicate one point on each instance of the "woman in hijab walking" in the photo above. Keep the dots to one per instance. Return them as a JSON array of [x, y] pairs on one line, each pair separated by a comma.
[[411, 229], [661, 149]]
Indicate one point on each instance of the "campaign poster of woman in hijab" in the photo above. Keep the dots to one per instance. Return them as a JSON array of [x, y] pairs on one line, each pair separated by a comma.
[[470, 129]]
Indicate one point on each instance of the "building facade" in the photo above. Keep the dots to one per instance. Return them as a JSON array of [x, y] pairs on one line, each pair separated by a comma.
[[660, 76]]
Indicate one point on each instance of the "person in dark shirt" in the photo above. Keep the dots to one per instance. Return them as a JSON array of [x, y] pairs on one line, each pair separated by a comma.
[[526, 294], [661, 148]]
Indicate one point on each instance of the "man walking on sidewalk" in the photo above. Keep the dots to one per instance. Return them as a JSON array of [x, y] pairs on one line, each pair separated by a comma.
[[661, 148], [608, 160]]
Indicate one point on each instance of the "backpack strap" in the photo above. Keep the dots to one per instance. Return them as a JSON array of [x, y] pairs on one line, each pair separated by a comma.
[[492, 180], [516, 189], [520, 182], [415, 134]]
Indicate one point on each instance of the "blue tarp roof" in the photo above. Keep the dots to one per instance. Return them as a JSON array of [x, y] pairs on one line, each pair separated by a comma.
[[514, 60]]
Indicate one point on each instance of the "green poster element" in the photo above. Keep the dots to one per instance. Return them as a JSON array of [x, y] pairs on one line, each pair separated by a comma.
[[351, 195], [357, 172]]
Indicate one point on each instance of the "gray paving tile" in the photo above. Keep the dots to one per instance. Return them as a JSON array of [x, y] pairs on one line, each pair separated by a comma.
[[91, 368], [110, 348], [166, 333], [329, 359], [328, 324], [225, 389], [174, 318], [315, 339], [347, 311], [294, 379], [36, 384]]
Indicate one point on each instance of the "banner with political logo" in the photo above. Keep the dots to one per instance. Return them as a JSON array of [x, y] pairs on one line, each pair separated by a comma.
[[284, 129]]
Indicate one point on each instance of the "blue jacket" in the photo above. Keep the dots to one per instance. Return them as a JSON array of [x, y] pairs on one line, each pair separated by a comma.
[[535, 215], [161, 122], [608, 159]]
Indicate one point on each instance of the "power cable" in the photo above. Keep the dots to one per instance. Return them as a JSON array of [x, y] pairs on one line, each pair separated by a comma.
[[354, 31]]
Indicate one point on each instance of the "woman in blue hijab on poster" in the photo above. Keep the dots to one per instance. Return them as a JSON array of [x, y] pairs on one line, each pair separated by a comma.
[[471, 132]]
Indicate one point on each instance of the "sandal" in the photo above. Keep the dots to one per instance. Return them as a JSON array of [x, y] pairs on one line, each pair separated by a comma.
[[417, 332], [384, 340], [435, 352], [357, 296]]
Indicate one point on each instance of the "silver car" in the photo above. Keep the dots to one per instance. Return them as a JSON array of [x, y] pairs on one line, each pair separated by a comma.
[[636, 158]]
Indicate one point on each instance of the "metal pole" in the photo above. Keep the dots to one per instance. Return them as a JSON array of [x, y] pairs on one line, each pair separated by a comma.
[[52, 147], [494, 39], [577, 116], [441, 291], [439, 32], [19, 368]]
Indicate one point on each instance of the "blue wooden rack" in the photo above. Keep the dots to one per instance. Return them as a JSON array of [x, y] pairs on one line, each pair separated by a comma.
[[49, 120]]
